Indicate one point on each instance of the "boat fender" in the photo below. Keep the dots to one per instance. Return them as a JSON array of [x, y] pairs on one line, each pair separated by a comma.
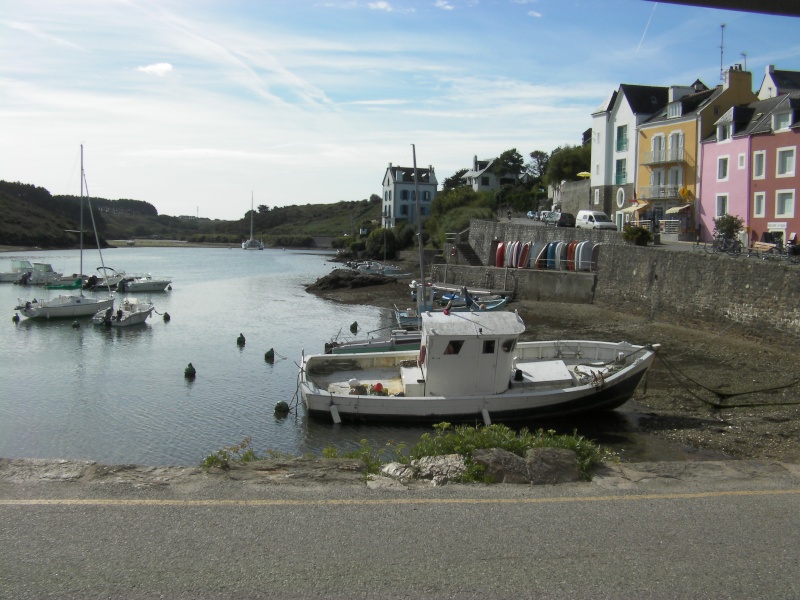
[[423, 351]]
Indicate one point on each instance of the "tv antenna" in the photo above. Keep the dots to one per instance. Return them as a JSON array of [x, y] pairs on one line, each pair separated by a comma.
[[721, 52], [744, 56]]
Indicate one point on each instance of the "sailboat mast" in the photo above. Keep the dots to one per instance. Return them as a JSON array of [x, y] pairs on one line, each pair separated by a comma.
[[80, 273], [251, 215]]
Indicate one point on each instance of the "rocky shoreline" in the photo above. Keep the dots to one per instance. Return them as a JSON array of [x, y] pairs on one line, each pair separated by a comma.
[[710, 389]]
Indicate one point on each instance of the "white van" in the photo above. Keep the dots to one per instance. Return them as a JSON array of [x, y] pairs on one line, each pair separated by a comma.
[[593, 219]]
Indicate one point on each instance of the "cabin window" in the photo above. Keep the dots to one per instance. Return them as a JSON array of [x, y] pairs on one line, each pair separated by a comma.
[[509, 345], [454, 347], [488, 347]]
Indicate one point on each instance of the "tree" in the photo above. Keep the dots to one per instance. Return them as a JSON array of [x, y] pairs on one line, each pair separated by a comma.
[[454, 181], [263, 208], [537, 168], [380, 243], [566, 162], [728, 226], [509, 164]]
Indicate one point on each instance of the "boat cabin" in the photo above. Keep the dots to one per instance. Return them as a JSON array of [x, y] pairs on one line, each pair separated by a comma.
[[468, 353]]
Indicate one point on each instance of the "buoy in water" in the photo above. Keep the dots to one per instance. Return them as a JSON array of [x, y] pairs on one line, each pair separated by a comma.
[[189, 372], [166, 316], [269, 356], [15, 318], [281, 408], [169, 287], [240, 339], [75, 325], [354, 327]]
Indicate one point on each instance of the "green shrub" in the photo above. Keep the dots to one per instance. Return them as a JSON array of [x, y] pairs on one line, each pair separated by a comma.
[[637, 235]]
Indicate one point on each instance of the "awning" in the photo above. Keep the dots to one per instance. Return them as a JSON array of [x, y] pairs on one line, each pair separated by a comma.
[[633, 208], [677, 209]]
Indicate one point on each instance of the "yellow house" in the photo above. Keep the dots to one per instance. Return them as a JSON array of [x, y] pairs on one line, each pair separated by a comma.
[[669, 160]]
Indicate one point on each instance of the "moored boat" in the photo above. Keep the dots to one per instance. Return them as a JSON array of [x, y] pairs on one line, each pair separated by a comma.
[[130, 312], [144, 283], [398, 340], [18, 269], [472, 366]]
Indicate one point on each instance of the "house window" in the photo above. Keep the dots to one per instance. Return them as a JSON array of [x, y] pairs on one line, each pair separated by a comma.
[[658, 149], [674, 110], [622, 138], [782, 121], [404, 195], [722, 168], [676, 146], [785, 162], [784, 204], [597, 196], [759, 164], [426, 196], [621, 175], [724, 132], [620, 198], [484, 181], [741, 161], [722, 205], [759, 204], [404, 210]]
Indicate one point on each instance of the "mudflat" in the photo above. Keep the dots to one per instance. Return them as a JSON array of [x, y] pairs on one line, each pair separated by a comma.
[[710, 388]]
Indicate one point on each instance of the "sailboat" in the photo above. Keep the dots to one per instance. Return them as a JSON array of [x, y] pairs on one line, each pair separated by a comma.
[[69, 306], [252, 243]]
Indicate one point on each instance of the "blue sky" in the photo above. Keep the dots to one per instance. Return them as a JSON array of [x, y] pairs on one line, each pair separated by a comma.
[[192, 105]]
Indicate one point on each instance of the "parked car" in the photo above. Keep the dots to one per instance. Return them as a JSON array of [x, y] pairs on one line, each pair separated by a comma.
[[565, 220], [550, 217], [532, 214], [594, 219]]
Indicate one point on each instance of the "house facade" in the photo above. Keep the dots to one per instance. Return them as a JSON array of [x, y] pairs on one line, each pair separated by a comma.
[[777, 82], [615, 144], [480, 177], [669, 154], [399, 194]]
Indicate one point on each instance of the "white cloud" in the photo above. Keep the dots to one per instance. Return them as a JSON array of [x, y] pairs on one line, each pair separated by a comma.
[[159, 69], [381, 5], [444, 5], [533, 13]]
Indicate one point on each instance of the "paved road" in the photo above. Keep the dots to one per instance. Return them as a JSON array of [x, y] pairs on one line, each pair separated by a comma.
[[674, 530]]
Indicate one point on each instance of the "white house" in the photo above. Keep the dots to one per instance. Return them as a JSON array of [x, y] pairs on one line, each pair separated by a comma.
[[480, 177], [399, 199], [777, 82]]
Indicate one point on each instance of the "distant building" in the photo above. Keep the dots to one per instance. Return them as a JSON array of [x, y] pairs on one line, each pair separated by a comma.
[[399, 199], [777, 82], [480, 177]]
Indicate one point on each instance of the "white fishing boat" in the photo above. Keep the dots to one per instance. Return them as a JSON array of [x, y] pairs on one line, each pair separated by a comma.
[[41, 274], [379, 268], [130, 312], [68, 306], [252, 243], [471, 367], [144, 283], [18, 269], [410, 318]]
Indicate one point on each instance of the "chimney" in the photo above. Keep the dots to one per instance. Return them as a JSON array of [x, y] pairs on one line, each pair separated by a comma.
[[475, 163], [770, 69], [738, 78]]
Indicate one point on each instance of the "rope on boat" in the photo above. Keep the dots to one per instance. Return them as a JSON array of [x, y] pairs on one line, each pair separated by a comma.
[[675, 372]]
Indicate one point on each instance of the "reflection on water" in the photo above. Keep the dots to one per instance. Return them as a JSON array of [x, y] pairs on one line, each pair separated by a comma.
[[118, 395]]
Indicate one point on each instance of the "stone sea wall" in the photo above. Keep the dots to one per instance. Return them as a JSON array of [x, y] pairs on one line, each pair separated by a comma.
[[757, 297]]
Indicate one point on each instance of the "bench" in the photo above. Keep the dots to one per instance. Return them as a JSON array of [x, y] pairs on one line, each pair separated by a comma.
[[759, 248]]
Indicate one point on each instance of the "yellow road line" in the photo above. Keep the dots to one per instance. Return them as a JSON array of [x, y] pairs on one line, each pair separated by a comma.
[[395, 501]]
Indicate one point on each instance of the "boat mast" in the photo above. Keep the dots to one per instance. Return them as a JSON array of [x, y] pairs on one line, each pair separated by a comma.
[[80, 273], [422, 290], [251, 214]]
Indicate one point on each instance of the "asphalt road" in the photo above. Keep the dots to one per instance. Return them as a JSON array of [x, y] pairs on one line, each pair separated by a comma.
[[703, 530]]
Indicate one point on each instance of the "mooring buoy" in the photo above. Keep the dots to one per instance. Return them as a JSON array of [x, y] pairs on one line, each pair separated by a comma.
[[240, 339], [166, 316], [269, 356], [354, 327], [282, 407], [189, 372], [75, 325], [15, 318]]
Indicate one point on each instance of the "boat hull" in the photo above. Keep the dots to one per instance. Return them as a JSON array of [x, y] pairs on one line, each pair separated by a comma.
[[525, 398], [64, 307]]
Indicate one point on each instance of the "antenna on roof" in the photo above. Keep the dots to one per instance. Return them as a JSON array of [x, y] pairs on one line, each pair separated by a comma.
[[744, 56], [721, 52]]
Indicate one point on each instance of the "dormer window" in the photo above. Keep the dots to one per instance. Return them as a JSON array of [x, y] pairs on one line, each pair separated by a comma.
[[781, 121], [674, 110], [724, 132]]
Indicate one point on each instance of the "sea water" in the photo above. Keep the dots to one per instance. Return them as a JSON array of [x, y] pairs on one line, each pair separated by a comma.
[[119, 395]]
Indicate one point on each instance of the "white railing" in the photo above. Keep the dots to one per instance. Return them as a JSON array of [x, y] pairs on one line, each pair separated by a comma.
[[663, 156], [659, 191]]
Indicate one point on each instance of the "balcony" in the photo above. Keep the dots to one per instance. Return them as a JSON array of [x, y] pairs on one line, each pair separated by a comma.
[[654, 192], [622, 144], [656, 157], [621, 178]]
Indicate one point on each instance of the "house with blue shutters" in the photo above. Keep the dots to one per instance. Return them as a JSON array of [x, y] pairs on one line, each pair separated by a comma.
[[399, 194]]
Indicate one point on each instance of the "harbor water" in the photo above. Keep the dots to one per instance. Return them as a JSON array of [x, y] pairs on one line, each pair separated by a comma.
[[119, 395]]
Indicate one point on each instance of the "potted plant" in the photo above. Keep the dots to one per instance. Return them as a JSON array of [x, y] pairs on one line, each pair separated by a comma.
[[637, 235]]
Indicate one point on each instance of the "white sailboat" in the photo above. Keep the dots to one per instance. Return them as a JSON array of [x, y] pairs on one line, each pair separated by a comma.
[[252, 243], [66, 305]]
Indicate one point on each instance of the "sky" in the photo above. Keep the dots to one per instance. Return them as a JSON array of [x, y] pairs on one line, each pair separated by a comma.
[[197, 106]]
